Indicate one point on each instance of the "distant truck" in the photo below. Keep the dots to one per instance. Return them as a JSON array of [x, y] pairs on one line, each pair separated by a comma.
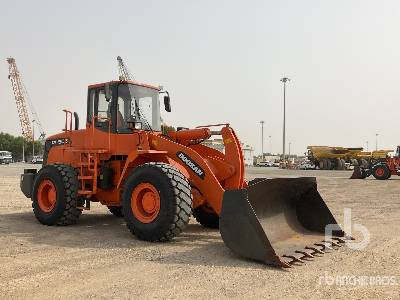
[[332, 158], [5, 157], [337, 158]]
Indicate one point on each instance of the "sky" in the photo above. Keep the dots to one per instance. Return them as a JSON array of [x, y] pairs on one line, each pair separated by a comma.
[[221, 61]]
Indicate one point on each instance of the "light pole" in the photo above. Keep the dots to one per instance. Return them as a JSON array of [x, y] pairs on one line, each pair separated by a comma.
[[284, 80], [262, 140], [23, 149], [376, 141], [290, 143], [33, 138], [270, 144], [367, 145]]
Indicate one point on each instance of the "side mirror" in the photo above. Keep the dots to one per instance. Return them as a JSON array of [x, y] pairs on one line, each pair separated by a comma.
[[107, 92], [167, 104]]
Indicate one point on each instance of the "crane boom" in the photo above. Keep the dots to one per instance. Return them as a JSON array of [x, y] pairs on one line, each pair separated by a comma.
[[123, 70], [21, 99]]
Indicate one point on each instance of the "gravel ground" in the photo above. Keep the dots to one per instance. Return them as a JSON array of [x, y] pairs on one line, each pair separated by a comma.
[[99, 258]]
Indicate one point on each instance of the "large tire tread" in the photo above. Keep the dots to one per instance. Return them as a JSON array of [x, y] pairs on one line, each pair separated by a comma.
[[71, 213], [180, 191]]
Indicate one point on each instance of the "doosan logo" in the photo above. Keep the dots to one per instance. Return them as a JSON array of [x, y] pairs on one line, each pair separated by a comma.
[[191, 164]]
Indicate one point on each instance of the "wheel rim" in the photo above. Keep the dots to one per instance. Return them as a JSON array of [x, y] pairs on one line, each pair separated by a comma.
[[47, 195], [380, 172], [145, 202]]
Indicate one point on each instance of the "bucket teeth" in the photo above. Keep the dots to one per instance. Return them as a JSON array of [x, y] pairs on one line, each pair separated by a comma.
[[341, 241], [324, 246], [305, 254], [332, 243], [294, 259], [316, 250]]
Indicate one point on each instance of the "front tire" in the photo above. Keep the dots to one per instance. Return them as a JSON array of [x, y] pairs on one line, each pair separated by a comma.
[[381, 172], [157, 202], [55, 195]]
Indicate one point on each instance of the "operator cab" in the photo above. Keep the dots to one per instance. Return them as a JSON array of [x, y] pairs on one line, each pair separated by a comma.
[[129, 106]]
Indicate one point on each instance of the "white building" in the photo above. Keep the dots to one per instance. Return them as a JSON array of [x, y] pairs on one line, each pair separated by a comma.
[[218, 144], [248, 153]]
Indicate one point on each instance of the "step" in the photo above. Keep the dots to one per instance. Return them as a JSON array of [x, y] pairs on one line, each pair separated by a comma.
[[86, 177], [85, 192], [83, 164]]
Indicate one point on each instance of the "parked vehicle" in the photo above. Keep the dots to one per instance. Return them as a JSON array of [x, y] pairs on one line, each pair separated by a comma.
[[381, 170], [37, 160], [5, 157], [306, 166], [265, 164]]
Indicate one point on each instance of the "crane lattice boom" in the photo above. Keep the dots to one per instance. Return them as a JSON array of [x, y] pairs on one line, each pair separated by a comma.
[[20, 99], [123, 70]]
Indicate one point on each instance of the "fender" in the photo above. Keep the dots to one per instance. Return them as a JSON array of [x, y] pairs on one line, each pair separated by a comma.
[[195, 165], [133, 156]]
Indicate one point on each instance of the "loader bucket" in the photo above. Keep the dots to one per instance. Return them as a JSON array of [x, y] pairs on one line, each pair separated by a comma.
[[359, 173], [278, 221]]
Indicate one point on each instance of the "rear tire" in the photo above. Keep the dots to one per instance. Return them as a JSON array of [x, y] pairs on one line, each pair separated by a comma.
[[171, 202], [339, 165], [55, 195], [343, 164], [116, 210], [381, 172], [206, 217], [327, 164]]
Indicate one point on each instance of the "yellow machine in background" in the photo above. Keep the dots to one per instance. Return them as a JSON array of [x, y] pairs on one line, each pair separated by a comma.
[[336, 158]]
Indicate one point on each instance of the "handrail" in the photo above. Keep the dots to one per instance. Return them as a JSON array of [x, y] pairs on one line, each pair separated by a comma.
[[67, 112]]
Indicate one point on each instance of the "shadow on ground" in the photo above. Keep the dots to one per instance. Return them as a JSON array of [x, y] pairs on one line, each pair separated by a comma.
[[195, 246]]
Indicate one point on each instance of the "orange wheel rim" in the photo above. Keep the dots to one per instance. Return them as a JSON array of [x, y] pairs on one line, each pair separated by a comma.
[[47, 195], [380, 171], [145, 202]]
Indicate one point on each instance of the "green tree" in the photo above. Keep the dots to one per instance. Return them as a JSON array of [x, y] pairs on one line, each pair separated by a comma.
[[14, 145]]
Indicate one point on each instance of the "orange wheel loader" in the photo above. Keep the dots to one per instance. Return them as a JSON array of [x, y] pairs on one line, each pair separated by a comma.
[[156, 181]]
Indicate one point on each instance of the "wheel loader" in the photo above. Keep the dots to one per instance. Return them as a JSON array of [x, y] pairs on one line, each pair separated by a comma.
[[156, 181], [382, 167]]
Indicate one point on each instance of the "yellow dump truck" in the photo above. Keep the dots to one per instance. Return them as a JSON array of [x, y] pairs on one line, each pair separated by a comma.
[[335, 158], [331, 158]]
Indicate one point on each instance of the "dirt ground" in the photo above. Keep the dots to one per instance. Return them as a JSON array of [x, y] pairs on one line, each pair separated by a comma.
[[99, 258]]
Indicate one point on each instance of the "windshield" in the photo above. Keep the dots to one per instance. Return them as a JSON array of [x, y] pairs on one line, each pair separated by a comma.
[[138, 104]]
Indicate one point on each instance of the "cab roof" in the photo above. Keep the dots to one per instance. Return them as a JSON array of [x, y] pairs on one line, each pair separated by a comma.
[[157, 88]]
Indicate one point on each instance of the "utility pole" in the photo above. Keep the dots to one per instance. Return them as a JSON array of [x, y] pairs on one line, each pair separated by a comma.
[[290, 143], [33, 138], [367, 145], [284, 80], [262, 140], [376, 141], [270, 144], [23, 150]]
